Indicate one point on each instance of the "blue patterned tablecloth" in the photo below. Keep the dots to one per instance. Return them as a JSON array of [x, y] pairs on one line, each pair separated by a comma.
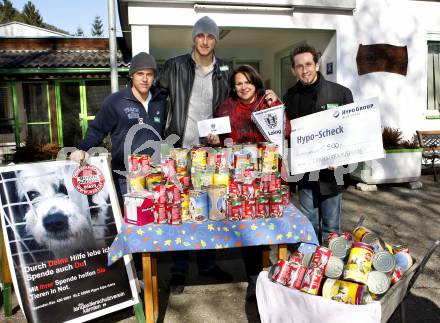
[[293, 227]]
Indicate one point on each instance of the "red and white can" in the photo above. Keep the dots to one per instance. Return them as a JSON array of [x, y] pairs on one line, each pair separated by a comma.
[[296, 275], [276, 205], [312, 280], [160, 214], [174, 214], [249, 209], [320, 258], [235, 209], [263, 209], [281, 272], [174, 195], [248, 190], [159, 192]]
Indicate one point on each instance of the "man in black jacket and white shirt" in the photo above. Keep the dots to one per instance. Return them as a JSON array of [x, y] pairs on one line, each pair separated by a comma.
[[321, 200], [196, 84]]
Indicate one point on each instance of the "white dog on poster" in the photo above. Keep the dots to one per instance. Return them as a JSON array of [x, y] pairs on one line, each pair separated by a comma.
[[52, 218]]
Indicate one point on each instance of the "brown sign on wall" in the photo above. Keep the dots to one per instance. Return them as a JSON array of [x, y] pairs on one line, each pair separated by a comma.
[[382, 58]]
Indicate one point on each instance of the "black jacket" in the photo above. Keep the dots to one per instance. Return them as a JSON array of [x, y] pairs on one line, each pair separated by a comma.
[[119, 112], [329, 94], [176, 81]]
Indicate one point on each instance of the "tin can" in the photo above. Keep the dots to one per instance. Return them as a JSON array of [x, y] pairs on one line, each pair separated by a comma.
[[180, 155], [251, 150], [207, 177], [269, 157], [198, 156], [174, 214], [145, 164], [185, 180], [221, 178], [217, 202], [198, 205], [276, 205], [285, 192], [359, 263], [343, 291], [281, 272], [153, 177], [221, 161], [240, 160], [312, 280], [296, 257], [335, 267], [404, 261], [398, 248], [306, 259], [249, 209], [134, 165], [274, 183], [185, 206], [320, 258], [296, 275], [160, 214], [168, 167], [174, 195], [264, 183], [397, 274], [235, 210], [263, 210], [248, 189], [234, 187], [378, 283], [338, 245], [159, 192], [135, 182], [384, 262]]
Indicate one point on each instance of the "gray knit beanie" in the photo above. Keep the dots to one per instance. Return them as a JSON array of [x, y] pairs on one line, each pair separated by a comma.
[[205, 25], [142, 61]]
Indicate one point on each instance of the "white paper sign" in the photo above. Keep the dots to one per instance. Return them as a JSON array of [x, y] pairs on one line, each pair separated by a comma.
[[216, 126], [270, 122], [344, 135]]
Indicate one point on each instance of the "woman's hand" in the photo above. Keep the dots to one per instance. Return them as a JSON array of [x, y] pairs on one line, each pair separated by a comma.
[[213, 140], [79, 156], [270, 97]]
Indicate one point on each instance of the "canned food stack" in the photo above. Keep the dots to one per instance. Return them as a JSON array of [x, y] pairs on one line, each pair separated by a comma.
[[355, 272]]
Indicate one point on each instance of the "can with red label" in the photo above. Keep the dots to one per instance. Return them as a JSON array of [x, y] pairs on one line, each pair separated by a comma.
[[296, 257], [397, 274], [248, 189], [263, 210], [168, 167], [240, 160], [281, 272], [145, 164], [221, 161], [249, 209], [180, 155], [312, 280], [235, 209], [320, 258], [285, 192], [134, 165], [174, 214], [274, 183], [159, 192], [160, 214], [276, 205], [174, 195], [153, 177], [296, 275]]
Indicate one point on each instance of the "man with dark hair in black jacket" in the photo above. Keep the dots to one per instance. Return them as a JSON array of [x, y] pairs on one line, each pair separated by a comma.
[[140, 104], [321, 200], [196, 84]]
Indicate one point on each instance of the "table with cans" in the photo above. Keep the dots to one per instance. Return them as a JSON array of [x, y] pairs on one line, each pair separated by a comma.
[[149, 239]]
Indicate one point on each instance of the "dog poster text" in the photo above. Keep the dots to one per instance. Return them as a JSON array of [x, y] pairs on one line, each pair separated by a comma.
[[57, 241]]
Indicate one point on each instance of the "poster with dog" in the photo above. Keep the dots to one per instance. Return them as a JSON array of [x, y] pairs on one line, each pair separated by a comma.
[[58, 220]]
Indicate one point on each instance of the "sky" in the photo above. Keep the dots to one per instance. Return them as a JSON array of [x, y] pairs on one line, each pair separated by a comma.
[[71, 14]]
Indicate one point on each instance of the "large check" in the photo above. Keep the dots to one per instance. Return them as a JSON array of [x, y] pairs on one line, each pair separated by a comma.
[[344, 135]]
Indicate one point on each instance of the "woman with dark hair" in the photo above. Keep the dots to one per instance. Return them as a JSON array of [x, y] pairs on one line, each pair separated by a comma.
[[247, 95]]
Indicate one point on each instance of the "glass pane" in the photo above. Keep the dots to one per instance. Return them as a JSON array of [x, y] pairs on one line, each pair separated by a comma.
[[35, 102], [39, 133], [6, 114], [70, 110], [97, 91]]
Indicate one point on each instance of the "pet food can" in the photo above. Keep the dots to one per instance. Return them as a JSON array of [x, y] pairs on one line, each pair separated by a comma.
[[185, 206], [160, 214], [174, 195], [285, 192], [335, 267], [263, 210], [249, 209], [276, 205], [296, 275], [378, 283], [174, 214], [248, 189], [281, 272], [384, 262], [403, 260], [198, 205], [339, 246], [134, 165], [159, 192], [320, 258], [221, 160], [198, 156], [269, 158], [312, 280], [180, 155], [136, 182], [241, 160], [234, 187], [252, 151], [359, 263], [168, 167], [153, 177], [217, 202], [235, 209], [221, 178], [343, 291]]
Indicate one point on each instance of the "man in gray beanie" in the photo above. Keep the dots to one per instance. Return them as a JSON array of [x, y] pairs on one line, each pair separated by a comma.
[[196, 84], [140, 103]]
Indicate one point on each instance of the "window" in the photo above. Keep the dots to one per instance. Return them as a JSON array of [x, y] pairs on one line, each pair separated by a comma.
[[36, 106], [434, 75]]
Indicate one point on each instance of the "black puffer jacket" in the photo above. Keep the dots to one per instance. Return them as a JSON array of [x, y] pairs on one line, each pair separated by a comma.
[[176, 81]]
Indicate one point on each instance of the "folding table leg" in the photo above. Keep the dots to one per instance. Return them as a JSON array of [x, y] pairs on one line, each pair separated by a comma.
[[155, 286], [265, 256], [147, 269], [282, 251]]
